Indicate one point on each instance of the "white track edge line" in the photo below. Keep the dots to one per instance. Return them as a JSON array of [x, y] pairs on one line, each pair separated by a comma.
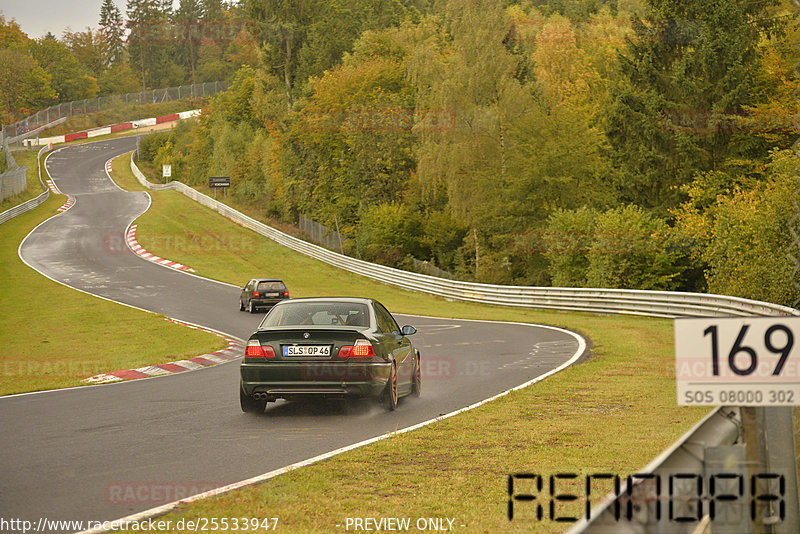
[[166, 508], [161, 510], [60, 192], [108, 174], [19, 254], [154, 262]]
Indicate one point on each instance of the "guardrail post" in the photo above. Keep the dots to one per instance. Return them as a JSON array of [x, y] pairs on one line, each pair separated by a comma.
[[781, 459], [755, 441], [727, 467]]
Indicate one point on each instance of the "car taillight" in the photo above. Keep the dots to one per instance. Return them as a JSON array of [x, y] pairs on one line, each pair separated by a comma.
[[286, 294], [256, 294], [255, 350], [361, 349]]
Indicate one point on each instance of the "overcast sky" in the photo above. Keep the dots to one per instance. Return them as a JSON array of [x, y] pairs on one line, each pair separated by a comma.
[[37, 17]]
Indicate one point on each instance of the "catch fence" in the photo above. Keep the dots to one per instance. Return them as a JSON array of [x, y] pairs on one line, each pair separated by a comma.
[[29, 126], [14, 180]]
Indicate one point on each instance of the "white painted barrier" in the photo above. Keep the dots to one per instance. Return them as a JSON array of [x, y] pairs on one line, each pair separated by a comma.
[[105, 130]]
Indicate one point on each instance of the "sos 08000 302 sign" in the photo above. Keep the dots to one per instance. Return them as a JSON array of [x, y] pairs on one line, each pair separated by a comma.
[[751, 361]]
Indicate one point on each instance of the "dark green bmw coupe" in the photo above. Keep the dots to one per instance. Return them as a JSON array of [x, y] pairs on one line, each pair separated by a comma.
[[329, 347]]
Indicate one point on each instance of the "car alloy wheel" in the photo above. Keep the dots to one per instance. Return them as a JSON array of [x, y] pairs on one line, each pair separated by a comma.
[[416, 385], [250, 307]]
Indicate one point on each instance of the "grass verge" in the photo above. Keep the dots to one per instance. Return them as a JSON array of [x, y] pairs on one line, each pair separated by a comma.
[[612, 414], [50, 332]]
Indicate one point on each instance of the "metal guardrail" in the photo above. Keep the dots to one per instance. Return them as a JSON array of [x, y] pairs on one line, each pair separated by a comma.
[[612, 301], [30, 204], [667, 486], [711, 480]]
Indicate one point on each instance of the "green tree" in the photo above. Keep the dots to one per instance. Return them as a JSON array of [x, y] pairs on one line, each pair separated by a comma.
[[189, 33], [631, 249], [89, 48], [566, 244], [349, 147], [212, 10], [149, 43], [389, 233], [772, 117], [11, 35], [557, 159], [301, 39], [69, 78], [24, 85], [119, 79], [281, 28], [112, 28], [742, 233], [687, 68], [211, 64], [469, 82], [235, 105], [338, 26]]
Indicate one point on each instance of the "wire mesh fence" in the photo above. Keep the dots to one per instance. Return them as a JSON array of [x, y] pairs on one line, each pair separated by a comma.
[[104, 103], [14, 180], [332, 240], [321, 234], [425, 267]]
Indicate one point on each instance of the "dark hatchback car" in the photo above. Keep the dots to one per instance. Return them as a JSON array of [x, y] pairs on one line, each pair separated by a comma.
[[329, 348], [262, 293]]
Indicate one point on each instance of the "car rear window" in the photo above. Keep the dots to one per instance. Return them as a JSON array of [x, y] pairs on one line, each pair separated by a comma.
[[318, 314], [271, 286]]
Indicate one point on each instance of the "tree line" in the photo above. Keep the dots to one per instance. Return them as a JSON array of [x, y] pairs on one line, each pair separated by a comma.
[[629, 143], [151, 46]]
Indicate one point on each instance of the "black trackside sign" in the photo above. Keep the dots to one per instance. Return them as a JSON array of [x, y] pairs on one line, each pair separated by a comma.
[[219, 181]]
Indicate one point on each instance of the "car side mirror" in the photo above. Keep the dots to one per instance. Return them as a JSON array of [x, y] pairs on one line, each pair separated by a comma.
[[408, 330]]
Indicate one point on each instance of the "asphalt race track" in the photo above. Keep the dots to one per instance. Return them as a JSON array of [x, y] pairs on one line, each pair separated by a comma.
[[105, 452]]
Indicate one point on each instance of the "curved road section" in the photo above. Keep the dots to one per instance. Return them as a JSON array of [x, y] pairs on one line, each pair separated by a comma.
[[105, 452]]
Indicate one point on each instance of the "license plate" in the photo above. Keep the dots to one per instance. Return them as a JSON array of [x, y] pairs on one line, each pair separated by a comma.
[[273, 294], [307, 350]]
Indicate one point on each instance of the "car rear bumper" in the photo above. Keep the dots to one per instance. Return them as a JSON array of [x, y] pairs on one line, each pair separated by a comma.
[[314, 378], [263, 303]]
